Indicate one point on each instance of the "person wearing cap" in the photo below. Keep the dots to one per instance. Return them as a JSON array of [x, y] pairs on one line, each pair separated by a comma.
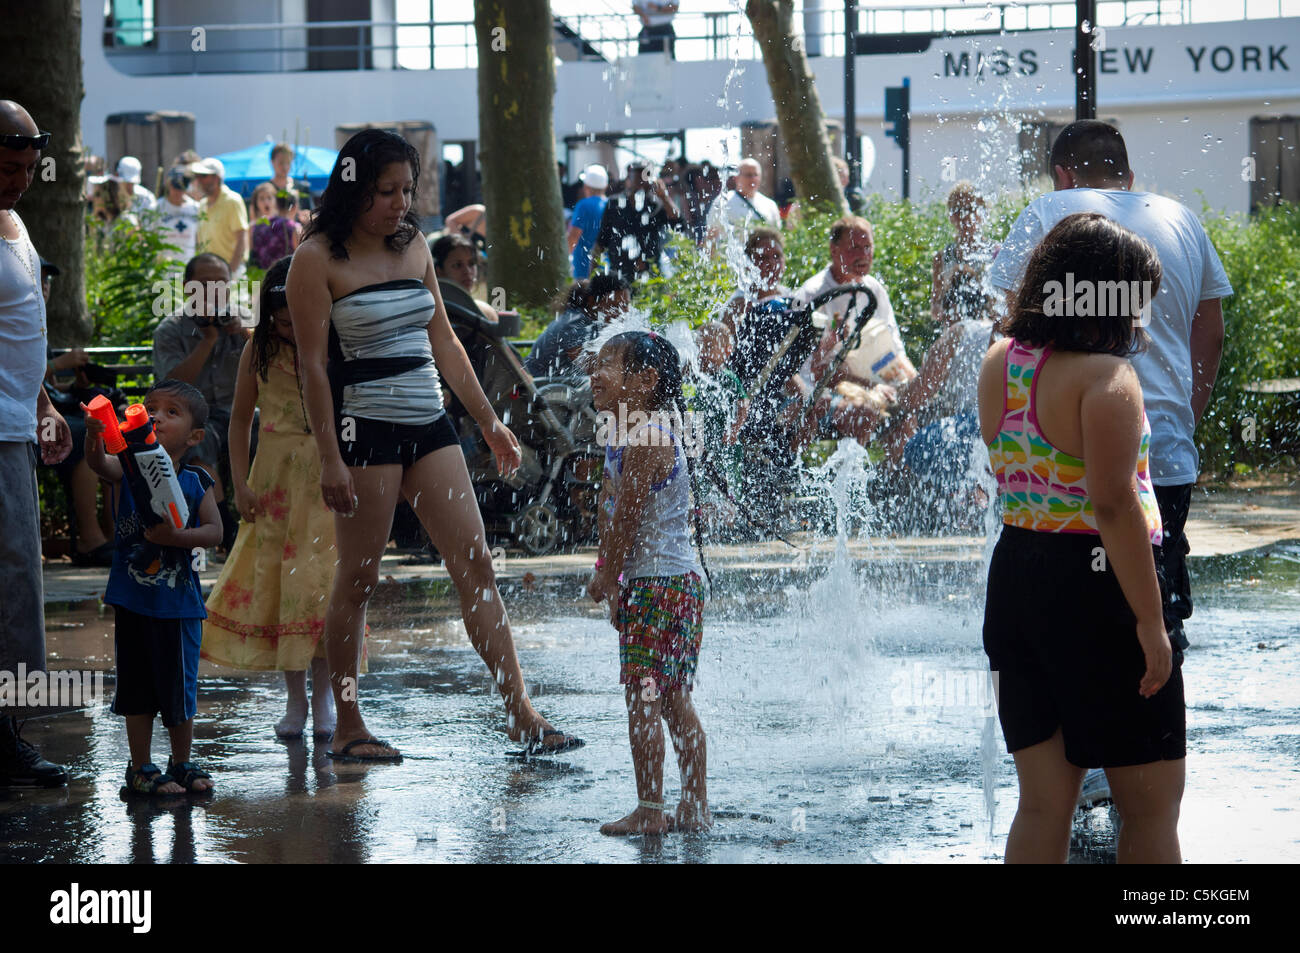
[[631, 230], [128, 173], [179, 224], [223, 220], [587, 213]]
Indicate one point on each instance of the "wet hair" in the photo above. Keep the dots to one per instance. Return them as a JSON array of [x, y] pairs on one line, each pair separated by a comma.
[[1092, 150], [285, 201], [762, 236], [1084, 248], [642, 350], [963, 199], [266, 343], [351, 190], [192, 266], [841, 227], [187, 394], [442, 248], [583, 295]]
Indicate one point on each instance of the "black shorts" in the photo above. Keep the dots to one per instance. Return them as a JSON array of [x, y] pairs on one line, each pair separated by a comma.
[[157, 666], [377, 442], [1062, 642]]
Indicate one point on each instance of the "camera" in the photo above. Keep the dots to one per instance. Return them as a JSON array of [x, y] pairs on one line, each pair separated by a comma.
[[221, 319]]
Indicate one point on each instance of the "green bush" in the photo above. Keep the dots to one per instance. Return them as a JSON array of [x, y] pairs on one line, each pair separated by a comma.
[[124, 266], [1262, 325]]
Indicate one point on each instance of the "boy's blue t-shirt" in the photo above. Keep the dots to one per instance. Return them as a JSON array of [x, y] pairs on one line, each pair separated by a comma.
[[586, 216], [158, 581]]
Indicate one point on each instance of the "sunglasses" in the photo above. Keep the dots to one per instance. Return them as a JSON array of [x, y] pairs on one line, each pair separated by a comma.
[[15, 141]]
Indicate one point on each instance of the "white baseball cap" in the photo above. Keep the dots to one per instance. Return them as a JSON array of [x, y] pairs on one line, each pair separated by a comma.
[[128, 169], [209, 167], [595, 177]]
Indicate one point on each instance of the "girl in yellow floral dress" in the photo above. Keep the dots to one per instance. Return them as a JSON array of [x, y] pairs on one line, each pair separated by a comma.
[[267, 610]]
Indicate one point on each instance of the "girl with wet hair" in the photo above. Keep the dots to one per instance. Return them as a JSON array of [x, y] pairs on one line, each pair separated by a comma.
[[649, 573], [375, 346]]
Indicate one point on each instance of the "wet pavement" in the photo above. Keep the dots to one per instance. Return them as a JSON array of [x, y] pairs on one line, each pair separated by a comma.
[[841, 696]]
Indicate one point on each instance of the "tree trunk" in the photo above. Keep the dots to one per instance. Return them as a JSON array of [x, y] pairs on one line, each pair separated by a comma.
[[521, 190], [798, 107], [42, 73]]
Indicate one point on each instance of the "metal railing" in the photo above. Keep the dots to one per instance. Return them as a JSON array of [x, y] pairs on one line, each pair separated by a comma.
[[139, 47]]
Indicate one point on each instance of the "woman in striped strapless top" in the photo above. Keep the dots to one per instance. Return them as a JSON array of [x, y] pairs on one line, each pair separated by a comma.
[[1073, 627], [372, 336]]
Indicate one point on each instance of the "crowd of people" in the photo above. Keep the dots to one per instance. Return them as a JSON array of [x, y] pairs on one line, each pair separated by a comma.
[[1085, 426]]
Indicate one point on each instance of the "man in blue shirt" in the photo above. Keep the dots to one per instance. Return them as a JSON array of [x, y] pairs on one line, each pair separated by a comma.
[[587, 213]]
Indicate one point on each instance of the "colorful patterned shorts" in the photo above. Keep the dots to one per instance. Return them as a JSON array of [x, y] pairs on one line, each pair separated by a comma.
[[660, 625]]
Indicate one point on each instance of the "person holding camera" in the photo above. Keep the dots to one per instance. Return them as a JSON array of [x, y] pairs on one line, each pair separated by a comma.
[[200, 344]]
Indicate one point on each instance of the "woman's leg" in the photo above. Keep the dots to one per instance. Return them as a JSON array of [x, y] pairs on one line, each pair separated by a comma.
[[688, 741], [360, 540], [1049, 788], [295, 706], [323, 719], [647, 737], [1148, 798], [438, 489]]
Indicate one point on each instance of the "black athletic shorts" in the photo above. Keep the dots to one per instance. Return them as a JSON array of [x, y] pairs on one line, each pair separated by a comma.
[[1062, 642], [377, 442], [157, 666]]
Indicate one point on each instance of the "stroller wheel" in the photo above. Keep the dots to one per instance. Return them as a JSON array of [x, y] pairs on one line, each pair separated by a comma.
[[538, 528]]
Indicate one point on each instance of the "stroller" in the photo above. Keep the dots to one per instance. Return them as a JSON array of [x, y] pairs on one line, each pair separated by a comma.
[[771, 345], [551, 500]]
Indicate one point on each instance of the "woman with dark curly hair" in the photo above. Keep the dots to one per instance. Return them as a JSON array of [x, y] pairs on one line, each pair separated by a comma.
[[373, 336]]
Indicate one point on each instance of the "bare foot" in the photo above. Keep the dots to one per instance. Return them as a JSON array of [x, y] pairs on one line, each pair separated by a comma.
[[691, 818], [294, 720], [641, 821]]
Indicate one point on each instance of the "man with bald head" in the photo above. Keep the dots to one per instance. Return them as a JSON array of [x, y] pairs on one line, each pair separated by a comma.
[[26, 417], [736, 213]]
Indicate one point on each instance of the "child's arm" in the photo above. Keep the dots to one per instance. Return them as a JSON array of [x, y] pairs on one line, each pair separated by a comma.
[[1111, 423], [203, 536], [101, 464], [642, 467], [241, 429]]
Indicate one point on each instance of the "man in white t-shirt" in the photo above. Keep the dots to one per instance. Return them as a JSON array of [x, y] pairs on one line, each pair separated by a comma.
[[27, 418], [179, 216], [880, 357], [1091, 170], [657, 34], [129, 173], [734, 214]]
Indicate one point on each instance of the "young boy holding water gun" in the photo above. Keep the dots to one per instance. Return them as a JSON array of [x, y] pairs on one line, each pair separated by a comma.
[[165, 515]]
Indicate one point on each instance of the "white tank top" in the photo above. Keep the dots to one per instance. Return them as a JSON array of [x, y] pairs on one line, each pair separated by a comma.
[[663, 544], [22, 336]]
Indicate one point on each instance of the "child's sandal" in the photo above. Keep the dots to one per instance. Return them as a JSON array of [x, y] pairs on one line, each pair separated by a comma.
[[186, 773], [146, 780]]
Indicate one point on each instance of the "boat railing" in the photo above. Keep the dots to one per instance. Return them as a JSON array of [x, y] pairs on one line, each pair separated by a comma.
[[142, 46]]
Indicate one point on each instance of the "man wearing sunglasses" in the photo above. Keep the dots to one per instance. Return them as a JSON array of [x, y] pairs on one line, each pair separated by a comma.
[[26, 417]]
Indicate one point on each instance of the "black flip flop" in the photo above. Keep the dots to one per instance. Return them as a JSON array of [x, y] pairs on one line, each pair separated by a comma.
[[535, 748], [347, 758]]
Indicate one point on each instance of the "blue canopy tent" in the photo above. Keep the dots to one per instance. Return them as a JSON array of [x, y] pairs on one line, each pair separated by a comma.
[[247, 168]]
